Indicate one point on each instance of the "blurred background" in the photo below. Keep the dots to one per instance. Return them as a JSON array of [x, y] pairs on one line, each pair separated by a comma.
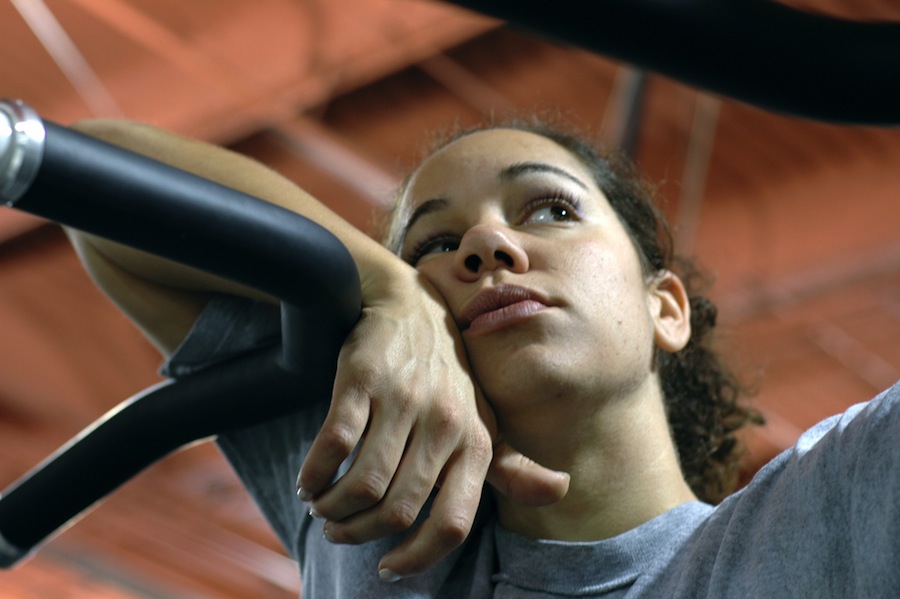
[[797, 221]]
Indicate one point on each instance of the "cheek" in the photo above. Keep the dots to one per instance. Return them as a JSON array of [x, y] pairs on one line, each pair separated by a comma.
[[436, 271], [603, 271], [609, 285]]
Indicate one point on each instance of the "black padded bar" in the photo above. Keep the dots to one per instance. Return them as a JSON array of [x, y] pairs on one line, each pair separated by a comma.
[[756, 51], [141, 431], [100, 188], [93, 186]]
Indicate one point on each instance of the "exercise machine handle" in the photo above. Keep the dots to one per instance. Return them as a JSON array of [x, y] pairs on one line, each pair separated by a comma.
[[90, 185], [87, 184]]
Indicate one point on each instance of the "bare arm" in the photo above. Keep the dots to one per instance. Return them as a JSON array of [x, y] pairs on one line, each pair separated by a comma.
[[151, 290]]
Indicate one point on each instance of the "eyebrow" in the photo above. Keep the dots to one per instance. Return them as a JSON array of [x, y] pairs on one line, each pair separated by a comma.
[[427, 207], [519, 169], [509, 173]]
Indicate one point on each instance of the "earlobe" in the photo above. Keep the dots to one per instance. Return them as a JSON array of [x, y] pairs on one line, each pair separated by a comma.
[[671, 312]]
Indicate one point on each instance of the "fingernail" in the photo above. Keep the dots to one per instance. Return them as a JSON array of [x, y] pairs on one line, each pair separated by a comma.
[[314, 513], [388, 575], [303, 494], [326, 532]]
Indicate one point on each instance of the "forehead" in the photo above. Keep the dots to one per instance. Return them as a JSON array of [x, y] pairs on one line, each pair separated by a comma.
[[486, 154]]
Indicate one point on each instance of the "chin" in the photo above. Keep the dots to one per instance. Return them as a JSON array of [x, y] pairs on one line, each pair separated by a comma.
[[527, 374]]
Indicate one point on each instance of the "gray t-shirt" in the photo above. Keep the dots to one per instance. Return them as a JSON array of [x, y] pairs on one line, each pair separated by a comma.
[[821, 520]]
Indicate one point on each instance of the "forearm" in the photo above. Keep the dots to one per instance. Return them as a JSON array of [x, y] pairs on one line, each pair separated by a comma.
[[147, 287]]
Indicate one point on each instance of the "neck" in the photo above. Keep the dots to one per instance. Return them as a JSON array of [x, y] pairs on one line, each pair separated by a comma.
[[623, 466]]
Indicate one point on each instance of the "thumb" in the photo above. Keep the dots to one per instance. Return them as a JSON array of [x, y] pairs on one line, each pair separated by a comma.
[[523, 480]]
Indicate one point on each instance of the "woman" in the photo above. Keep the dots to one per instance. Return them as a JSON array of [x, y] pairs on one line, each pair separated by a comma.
[[527, 258]]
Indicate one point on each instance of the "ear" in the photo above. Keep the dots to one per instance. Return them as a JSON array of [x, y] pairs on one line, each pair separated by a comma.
[[670, 311]]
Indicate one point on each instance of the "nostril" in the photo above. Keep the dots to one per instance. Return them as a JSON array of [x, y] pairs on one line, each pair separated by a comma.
[[473, 263], [504, 257]]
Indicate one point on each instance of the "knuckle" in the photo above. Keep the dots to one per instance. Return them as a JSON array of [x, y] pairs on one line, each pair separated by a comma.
[[408, 407], [366, 374], [448, 417], [357, 367], [367, 488], [482, 441], [453, 530], [364, 382], [399, 516], [481, 447], [338, 439], [402, 400], [446, 426]]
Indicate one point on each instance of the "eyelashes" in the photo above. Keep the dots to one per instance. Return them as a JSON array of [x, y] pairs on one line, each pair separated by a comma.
[[566, 206], [443, 242], [550, 207]]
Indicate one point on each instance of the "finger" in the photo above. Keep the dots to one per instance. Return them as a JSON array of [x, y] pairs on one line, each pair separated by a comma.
[[523, 480], [366, 482], [342, 430], [415, 478], [448, 524]]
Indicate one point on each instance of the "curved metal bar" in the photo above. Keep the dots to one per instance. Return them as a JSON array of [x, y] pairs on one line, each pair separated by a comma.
[[756, 51], [87, 184], [100, 188], [139, 432]]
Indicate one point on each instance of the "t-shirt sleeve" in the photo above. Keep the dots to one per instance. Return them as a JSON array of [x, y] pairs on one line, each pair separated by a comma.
[[266, 457], [227, 327], [821, 520]]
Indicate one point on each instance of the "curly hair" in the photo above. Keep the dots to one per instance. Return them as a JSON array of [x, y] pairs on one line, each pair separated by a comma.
[[703, 397]]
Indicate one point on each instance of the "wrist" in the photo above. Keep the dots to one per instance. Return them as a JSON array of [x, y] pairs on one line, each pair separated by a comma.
[[385, 278]]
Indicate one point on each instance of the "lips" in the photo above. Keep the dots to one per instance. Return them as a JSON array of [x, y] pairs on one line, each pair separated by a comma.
[[498, 306]]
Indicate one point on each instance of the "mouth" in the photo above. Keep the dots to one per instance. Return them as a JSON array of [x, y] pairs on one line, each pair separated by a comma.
[[500, 306]]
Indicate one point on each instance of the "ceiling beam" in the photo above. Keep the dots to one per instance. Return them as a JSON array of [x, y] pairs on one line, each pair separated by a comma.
[[696, 171], [56, 41], [315, 144], [789, 290], [620, 128], [855, 356], [466, 85], [162, 42]]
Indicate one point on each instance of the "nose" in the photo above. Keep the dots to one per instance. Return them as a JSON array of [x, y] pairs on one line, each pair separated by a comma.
[[486, 248]]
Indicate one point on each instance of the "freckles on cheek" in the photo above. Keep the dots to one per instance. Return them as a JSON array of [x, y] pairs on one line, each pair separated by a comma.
[[614, 283], [600, 272]]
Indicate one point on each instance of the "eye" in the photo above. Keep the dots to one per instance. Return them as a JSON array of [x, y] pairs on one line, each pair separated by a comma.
[[555, 209], [439, 244]]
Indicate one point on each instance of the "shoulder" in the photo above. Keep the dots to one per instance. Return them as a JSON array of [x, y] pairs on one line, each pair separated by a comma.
[[853, 440], [821, 519], [822, 515], [846, 455]]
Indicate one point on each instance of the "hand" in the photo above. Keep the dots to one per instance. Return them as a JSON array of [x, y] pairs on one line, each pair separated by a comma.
[[519, 477], [404, 390]]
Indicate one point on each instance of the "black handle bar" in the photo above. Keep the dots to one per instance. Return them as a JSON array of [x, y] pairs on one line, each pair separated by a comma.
[[93, 186], [757, 51], [87, 184]]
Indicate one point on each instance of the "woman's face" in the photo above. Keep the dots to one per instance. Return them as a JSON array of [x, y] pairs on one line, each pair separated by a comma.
[[536, 269]]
